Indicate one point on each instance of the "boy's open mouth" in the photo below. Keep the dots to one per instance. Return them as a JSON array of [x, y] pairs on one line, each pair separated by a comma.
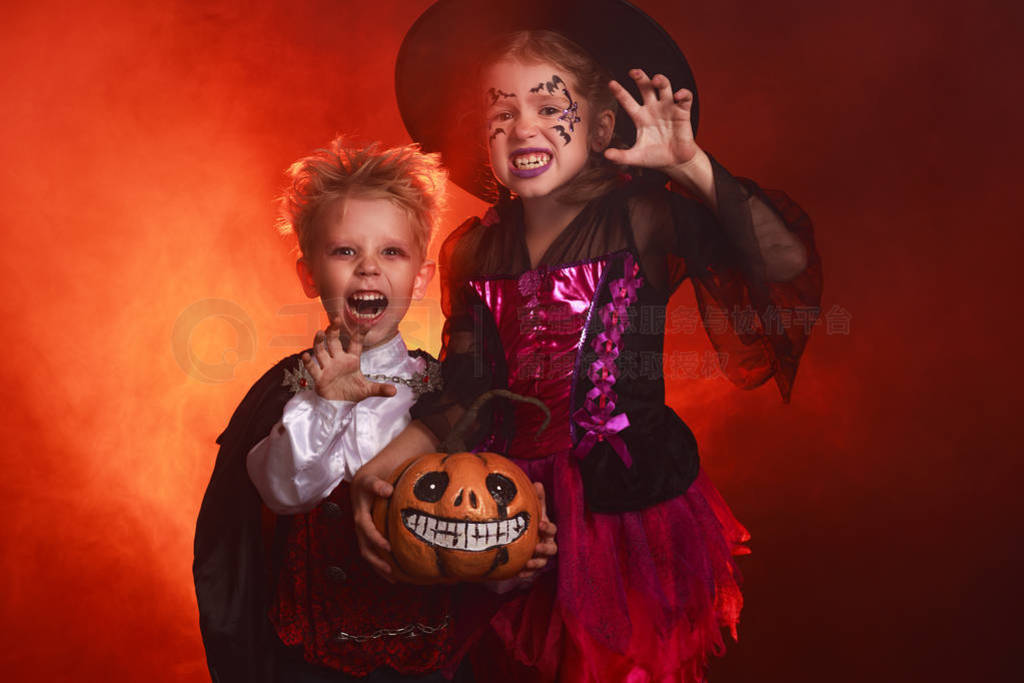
[[527, 163], [366, 305]]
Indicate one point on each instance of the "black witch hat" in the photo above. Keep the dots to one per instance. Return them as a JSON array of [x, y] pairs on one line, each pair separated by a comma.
[[442, 52]]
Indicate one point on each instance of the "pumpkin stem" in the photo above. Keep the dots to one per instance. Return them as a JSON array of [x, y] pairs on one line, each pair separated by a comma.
[[455, 443]]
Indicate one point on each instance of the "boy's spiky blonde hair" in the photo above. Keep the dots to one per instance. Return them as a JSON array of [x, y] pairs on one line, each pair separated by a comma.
[[404, 175]]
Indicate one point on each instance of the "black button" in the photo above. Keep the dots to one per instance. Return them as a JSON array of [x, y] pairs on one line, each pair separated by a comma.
[[332, 509], [336, 573]]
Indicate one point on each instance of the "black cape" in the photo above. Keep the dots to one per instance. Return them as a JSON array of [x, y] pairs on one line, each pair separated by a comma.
[[233, 567]]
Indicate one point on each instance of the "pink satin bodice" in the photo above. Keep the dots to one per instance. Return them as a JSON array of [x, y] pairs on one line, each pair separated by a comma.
[[542, 317]]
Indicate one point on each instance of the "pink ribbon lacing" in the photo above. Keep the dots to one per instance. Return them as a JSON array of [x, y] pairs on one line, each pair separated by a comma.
[[597, 414]]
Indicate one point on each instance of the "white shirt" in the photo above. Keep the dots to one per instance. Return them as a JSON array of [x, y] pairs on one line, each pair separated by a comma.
[[319, 443]]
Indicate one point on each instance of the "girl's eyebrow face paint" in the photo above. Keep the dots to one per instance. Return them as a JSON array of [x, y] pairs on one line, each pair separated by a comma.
[[551, 86], [494, 94]]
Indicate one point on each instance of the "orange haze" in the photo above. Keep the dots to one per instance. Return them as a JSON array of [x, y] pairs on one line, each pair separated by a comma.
[[146, 289]]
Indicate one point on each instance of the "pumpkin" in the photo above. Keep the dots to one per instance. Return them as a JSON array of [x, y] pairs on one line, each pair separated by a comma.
[[460, 516]]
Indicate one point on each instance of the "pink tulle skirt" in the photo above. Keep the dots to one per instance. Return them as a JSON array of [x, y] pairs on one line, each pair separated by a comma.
[[639, 596]]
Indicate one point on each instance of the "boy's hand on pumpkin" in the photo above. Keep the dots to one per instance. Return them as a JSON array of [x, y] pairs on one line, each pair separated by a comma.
[[372, 545], [664, 133], [335, 368], [546, 546]]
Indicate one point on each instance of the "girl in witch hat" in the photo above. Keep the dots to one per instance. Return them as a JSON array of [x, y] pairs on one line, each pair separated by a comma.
[[572, 118]]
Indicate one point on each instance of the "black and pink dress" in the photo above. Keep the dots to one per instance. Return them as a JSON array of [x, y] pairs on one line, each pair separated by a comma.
[[644, 579]]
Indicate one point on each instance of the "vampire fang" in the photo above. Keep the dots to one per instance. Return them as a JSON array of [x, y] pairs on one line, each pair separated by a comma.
[[367, 305]]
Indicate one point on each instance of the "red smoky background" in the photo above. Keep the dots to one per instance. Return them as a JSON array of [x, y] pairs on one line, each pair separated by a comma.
[[145, 289]]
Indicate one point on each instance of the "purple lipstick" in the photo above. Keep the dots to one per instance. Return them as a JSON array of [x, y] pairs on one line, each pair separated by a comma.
[[532, 162]]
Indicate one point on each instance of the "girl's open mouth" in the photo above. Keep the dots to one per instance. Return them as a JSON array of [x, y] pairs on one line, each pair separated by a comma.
[[366, 306], [528, 163]]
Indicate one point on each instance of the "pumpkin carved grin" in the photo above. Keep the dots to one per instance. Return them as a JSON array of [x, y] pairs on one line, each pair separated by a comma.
[[457, 515], [455, 534]]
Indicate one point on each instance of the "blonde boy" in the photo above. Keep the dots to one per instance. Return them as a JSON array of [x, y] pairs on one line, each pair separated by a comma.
[[292, 600]]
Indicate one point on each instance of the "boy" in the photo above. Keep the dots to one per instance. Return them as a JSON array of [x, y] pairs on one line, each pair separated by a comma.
[[297, 603]]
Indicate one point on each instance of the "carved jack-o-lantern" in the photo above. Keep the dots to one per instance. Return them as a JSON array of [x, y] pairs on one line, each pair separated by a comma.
[[458, 516]]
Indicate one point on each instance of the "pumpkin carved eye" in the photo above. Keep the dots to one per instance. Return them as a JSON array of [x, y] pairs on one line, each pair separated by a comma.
[[431, 486], [501, 488]]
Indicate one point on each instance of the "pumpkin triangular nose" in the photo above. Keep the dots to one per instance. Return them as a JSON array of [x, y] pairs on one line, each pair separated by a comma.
[[474, 501]]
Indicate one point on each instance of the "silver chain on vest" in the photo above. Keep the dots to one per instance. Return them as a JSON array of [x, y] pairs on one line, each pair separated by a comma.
[[410, 631]]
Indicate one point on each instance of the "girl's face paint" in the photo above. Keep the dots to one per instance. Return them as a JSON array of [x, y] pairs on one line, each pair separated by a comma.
[[537, 135], [494, 94], [571, 112]]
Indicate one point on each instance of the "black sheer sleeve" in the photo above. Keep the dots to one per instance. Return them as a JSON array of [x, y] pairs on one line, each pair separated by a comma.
[[471, 357], [759, 327]]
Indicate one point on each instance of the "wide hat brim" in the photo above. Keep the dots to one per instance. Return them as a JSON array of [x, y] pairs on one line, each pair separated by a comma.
[[441, 55]]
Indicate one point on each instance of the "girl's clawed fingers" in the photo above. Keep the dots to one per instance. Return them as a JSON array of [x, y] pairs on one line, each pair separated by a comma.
[[664, 132], [684, 98], [625, 99], [644, 84], [664, 87]]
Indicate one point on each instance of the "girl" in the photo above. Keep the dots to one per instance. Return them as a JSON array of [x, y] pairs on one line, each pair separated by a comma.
[[559, 292]]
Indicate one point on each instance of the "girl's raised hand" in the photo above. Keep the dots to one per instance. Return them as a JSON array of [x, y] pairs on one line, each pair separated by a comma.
[[664, 134], [335, 368]]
